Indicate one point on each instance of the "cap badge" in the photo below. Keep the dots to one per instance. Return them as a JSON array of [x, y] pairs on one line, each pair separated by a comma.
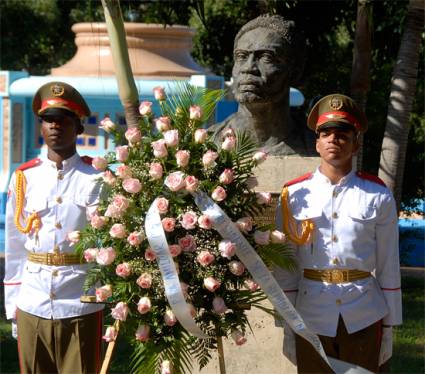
[[57, 90], [335, 103]]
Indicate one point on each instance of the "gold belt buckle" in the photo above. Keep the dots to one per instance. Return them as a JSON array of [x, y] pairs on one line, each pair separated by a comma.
[[56, 259], [337, 276]]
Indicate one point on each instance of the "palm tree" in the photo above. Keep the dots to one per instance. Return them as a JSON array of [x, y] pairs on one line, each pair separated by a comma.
[[362, 55], [126, 86], [403, 87]]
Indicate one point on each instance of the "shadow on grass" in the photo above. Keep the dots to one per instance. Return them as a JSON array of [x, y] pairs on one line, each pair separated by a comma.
[[409, 339]]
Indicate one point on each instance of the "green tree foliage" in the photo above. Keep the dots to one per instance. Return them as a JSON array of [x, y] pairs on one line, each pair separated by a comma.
[[45, 40]]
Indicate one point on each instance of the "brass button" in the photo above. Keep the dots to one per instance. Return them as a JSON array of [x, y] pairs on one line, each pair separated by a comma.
[[335, 194], [338, 301], [60, 176], [334, 238], [335, 261], [58, 200], [58, 225], [52, 296], [334, 215], [55, 273], [56, 248]]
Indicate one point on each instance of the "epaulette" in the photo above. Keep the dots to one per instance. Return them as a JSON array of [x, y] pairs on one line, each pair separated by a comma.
[[299, 179], [370, 177], [29, 164], [87, 159]]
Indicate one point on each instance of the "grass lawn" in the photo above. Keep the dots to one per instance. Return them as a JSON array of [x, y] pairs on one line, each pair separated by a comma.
[[409, 339]]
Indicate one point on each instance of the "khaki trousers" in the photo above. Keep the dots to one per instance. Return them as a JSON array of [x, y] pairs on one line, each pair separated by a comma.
[[64, 346], [360, 348]]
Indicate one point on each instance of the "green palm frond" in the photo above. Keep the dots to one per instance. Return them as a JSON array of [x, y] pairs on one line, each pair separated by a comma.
[[245, 147], [278, 254], [145, 359]]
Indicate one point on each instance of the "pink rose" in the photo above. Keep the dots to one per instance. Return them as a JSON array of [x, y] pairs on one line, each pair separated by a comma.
[[227, 176], [277, 237], [120, 202], [219, 305], [118, 231], [238, 337], [227, 248], [168, 224], [170, 318], [132, 185], [244, 224], [123, 270], [188, 220], [124, 172], [162, 205], [208, 159], [159, 148], [144, 305], [110, 334], [219, 194], [205, 222], [145, 108], [105, 256], [205, 258], [136, 238], [113, 212], [262, 237], [159, 93], [103, 293], [97, 222], [90, 254], [144, 281], [211, 284], [187, 243], [195, 112], [73, 237], [259, 157], [107, 125], [191, 183], [133, 135], [163, 124], [236, 267], [171, 138], [155, 170], [252, 182], [182, 158], [166, 367], [200, 136], [251, 285], [99, 163], [175, 181], [229, 143], [142, 333], [120, 311], [109, 178], [264, 198], [175, 250], [150, 254], [121, 153]]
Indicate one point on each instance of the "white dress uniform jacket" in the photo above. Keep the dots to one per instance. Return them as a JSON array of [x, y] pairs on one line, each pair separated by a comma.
[[356, 227], [62, 198]]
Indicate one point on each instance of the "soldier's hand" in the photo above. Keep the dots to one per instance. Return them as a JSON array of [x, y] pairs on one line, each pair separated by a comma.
[[386, 345], [14, 329]]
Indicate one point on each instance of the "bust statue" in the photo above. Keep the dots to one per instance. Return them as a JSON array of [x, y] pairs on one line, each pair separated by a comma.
[[268, 58]]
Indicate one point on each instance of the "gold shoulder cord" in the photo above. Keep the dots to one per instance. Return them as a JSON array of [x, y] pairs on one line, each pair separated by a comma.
[[33, 221], [290, 225]]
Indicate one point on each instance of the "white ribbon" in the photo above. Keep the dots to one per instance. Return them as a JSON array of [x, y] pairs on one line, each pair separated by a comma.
[[158, 242]]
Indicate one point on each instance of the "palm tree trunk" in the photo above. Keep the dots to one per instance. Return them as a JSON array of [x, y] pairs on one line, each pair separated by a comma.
[[126, 87], [362, 55], [403, 87]]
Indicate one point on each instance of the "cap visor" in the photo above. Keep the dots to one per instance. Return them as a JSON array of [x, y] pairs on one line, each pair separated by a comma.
[[336, 125]]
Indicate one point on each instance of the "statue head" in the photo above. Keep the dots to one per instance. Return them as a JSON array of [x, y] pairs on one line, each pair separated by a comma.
[[268, 57]]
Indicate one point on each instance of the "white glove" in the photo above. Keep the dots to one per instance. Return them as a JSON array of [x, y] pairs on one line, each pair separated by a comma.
[[289, 345], [386, 345], [14, 329]]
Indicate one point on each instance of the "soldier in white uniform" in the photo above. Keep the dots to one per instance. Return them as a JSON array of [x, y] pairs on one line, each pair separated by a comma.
[[344, 227], [49, 198]]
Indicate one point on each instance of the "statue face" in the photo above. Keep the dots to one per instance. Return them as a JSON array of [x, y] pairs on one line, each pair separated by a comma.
[[261, 70]]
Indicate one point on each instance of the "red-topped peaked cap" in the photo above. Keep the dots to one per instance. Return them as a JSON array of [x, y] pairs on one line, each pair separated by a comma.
[[337, 110], [59, 95]]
